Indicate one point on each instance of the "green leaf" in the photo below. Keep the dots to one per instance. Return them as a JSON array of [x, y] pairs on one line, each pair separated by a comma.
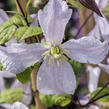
[[30, 19], [76, 66], [24, 77], [8, 28], [18, 19], [11, 96], [33, 107], [105, 91], [1, 66], [26, 32], [15, 20], [61, 100], [46, 100], [75, 3], [7, 34], [58, 99]]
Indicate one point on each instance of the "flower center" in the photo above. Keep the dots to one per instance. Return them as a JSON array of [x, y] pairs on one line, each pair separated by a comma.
[[55, 51]]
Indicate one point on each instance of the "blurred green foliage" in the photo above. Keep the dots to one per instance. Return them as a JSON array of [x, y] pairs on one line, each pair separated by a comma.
[[103, 92], [76, 66], [75, 3], [24, 77], [57, 99], [106, 11], [11, 95]]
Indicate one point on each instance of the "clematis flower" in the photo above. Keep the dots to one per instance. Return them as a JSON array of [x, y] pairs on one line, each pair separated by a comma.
[[101, 29], [55, 74]]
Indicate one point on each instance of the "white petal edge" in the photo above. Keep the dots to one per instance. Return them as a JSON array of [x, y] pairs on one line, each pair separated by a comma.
[[86, 50], [56, 79], [94, 73], [104, 67], [53, 20], [19, 105], [35, 18], [103, 26], [6, 106], [101, 3], [6, 74], [94, 107], [95, 32], [3, 16]]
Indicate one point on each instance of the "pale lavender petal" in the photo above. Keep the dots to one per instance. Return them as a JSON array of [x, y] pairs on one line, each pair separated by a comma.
[[103, 26], [108, 60], [93, 107], [18, 105], [27, 99], [53, 20], [104, 67], [5, 106], [84, 100], [27, 91], [101, 3], [56, 79], [17, 57], [94, 73], [95, 32], [86, 50], [2, 84], [3, 16], [13, 40], [35, 18], [6, 74]]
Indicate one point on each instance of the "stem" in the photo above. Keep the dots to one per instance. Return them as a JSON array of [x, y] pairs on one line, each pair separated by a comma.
[[85, 22], [21, 8], [94, 99], [21, 4], [91, 102], [99, 92], [99, 98], [39, 105], [88, 26]]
